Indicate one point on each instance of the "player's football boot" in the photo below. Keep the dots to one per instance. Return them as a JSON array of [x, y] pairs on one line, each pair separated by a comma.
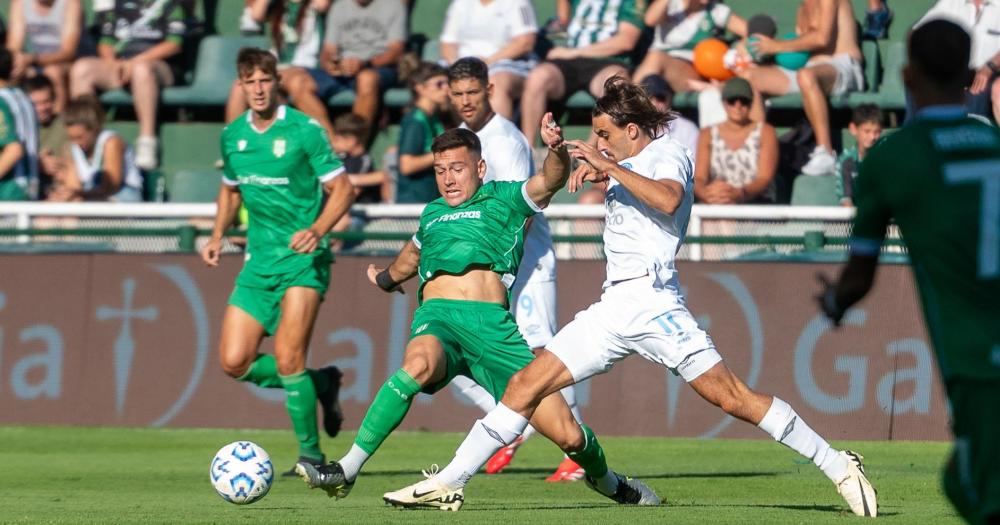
[[333, 416], [503, 457], [329, 477], [292, 472], [629, 492], [568, 470], [855, 487], [428, 493]]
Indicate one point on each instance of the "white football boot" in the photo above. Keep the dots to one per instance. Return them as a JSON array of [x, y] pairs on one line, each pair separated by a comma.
[[857, 491], [428, 493]]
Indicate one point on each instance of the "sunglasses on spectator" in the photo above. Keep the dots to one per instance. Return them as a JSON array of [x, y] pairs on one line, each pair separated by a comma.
[[742, 100]]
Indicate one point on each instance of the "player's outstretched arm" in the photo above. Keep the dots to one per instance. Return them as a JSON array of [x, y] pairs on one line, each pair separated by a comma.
[[856, 279], [401, 270], [664, 195], [555, 170], [227, 205], [341, 197]]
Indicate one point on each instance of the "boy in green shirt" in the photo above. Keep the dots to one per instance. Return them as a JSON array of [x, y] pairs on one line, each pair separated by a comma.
[[429, 87]]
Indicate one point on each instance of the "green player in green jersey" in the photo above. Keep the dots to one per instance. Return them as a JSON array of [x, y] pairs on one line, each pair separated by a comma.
[[939, 178], [466, 253], [278, 163]]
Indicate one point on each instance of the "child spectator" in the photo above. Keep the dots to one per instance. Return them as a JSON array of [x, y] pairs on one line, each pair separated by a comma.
[[350, 133], [429, 87], [866, 128], [44, 36]]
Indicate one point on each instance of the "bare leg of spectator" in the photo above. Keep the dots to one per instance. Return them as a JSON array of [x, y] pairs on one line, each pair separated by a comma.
[[301, 89], [995, 96], [148, 76], [90, 74], [544, 83], [506, 88], [236, 104], [767, 81], [680, 74], [597, 83], [815, 82], [59, 75], [366, 95]]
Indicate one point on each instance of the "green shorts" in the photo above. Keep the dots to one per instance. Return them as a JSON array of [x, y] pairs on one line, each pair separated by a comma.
[[972, 477], [480, 340], [260, 295]]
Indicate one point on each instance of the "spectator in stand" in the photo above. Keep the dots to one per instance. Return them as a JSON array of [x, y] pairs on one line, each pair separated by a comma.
[[981, 18], [500, 32], [680, 26], [737, 158], [364, 41], [52, 141], [350, 135], [18, 138], [601, 35], [102, 166], [866, 128], [429, 88], [680, 129], [139, 49], [877, 20], [44, 36], [827, 29], [296, 29]]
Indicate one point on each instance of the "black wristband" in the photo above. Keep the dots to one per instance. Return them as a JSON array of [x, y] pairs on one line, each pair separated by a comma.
[[993, 67], [385, 282]]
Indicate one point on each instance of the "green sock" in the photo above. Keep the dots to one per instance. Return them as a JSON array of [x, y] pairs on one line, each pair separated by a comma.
[[387, 410], [263, 372], [591, 457], [300, 401]]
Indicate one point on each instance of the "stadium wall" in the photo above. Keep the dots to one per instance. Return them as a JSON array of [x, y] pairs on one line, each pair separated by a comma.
[[125, 340]]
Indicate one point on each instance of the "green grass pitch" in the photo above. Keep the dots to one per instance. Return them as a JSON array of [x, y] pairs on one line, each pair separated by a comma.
[[117, 475]]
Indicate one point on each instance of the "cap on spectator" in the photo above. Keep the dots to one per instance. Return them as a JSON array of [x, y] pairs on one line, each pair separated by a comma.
[[737, 88], [656, 86], [762, 25]]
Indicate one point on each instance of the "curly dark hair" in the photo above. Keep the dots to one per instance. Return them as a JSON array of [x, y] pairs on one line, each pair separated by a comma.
[[625, 102]]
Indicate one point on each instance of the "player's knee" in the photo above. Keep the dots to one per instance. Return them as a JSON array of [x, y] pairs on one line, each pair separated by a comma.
[[235, 365], [290, 362], [419, 366], [572, 439]]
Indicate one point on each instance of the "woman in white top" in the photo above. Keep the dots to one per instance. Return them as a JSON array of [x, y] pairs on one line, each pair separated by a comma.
[[102, 166], [500, 32], [680, 26]]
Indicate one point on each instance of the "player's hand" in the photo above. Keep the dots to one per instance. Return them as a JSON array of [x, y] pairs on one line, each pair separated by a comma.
[[582, 174], [591, 155], [828, 300], [981, 80], [562, 53], [373, 272], [305, 241], [211, 251], [350, 66], [551, 132]]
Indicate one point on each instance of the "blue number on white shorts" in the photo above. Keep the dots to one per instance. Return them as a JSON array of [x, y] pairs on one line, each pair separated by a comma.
[[667, 318], [526, 304]]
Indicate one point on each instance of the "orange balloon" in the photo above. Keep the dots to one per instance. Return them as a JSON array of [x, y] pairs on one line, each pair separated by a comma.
[[708, 59]]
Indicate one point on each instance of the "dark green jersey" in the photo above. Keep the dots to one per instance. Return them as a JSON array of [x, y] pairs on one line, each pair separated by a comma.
[[487, 230], [279, 172], [939, 178]]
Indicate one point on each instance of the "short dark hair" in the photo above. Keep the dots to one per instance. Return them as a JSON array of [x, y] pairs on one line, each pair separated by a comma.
[[351, 124], [866, 113], [424, 72], [626, 102], [469, 67], [85, 110], [250, 59], [6, 63], [37, 83], [457, 138], [940, 49]]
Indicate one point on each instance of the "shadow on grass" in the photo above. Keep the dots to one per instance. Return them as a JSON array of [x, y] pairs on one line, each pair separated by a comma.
[[709, 475]]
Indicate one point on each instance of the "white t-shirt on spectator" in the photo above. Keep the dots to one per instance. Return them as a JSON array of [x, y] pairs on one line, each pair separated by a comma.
[[678, 32], [482, 30], [985, 30]]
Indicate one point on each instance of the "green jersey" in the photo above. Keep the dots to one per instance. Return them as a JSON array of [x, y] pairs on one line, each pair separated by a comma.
[[939, 178], [279, 172], [487, 231]]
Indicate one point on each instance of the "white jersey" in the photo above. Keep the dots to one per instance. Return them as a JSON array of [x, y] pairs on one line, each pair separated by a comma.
[[480, 30], [639, 240], [508, 158], [89, 170]]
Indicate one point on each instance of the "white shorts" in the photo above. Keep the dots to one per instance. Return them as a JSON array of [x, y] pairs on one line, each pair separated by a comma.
[[850, 75], [519, 67], [535, 311], [633, 317]]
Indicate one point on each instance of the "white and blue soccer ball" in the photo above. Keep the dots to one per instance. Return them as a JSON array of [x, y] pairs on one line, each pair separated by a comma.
[[241, 472]]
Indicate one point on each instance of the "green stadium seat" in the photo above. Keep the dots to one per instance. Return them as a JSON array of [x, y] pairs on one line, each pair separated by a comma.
[[214, 72], [815, 190], [193, 186], [892, 95]]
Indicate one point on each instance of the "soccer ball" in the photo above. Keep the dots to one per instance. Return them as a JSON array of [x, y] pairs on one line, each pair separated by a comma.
[[241, 472]]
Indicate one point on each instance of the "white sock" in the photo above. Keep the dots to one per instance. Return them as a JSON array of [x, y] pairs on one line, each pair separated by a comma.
[[528, 432], [497, 429], [569, 394], [353, 461], [473, 392], [787, 428]]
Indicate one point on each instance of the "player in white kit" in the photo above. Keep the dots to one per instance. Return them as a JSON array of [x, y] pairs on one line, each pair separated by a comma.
[[533, 297], [642, 309]]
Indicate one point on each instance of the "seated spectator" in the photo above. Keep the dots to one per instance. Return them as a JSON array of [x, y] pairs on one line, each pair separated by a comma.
[[500, 32], [364, 41], [680, 129], [296, 29], [429, 87], [102, 166], [600, 37], [44, 36], [139, 49], [18, 138], [866, 128], [350, 134], [681, 25], [826, 29], [52, 141], [736, 159], [877, 20], [981, 18]]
